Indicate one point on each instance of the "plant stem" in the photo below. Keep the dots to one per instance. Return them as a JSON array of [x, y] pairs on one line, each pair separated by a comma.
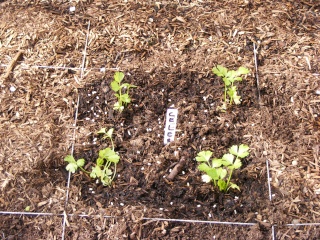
[[229, 178], [82, 169]]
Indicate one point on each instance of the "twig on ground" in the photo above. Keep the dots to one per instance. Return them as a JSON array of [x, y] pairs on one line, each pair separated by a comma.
[[177, 168], [11, 66]]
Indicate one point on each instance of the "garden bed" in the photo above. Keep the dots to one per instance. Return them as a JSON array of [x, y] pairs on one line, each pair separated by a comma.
[[57, 96]]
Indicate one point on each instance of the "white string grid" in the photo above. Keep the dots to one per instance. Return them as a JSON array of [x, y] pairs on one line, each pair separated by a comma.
[[65, 215]]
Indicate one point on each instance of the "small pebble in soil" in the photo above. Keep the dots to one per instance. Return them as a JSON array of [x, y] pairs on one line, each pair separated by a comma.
[[294, 163], [171, 203], [183, 172], [149, 164], [12, 89], [204, 138], [92, 108], [121, 124], [198, 205], [235, 211], [88, 119], [214, 206], [204, 98], [236, 198], [158, 162], [188, 184], [273, 195], [121, 204], [317, 92], [84, 144], [72, 9], [89, 95], [93, 92], [138, 152], [209, 215], [211, 104], [170, 170], [93, 192], [241, 205], [205, 110], [111, 203], [97, 97], [159, 135], [119, 175], [129, 133], [161, 209], [142, 168], [169, 100], [103, 69], [90, 189]]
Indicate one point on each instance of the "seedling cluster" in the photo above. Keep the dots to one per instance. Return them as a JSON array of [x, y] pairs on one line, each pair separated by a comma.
[[219, 170], [229, 77], [216, 170], [106, 163], [121, 91]]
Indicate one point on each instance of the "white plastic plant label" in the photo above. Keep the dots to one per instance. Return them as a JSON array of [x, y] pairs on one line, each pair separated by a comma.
[[171, 124]]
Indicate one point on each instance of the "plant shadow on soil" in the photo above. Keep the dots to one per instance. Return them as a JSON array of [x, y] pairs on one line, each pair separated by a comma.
[[145, 161]]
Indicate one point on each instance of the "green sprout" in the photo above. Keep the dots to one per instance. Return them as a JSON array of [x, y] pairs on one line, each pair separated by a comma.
[[219, 170], [120, 92], [229, 77], [103, 168]]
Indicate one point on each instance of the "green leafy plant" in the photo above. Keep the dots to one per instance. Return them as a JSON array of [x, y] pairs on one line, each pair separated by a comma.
[[106, 163], [121, 91], [229, 77], [219, 170]]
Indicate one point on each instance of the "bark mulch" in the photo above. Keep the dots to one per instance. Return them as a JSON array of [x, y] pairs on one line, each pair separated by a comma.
[[53, 101]]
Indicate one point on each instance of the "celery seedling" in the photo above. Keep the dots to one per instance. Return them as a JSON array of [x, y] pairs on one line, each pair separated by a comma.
[[218, 169], [229, 77], [122, 96], [102, 169]]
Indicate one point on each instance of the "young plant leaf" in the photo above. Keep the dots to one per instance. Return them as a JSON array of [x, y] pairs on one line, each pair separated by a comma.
[[80, 162], [102, 131], [109, 133], [96, 172], [242, 151], [216, 162], [234, 186], [213, 173], [242, 70], [228, 159], [115, 86], [220, 71], [118, 106], [237, 163], [100, 161], [125, 98], [72, 167], [69, 159], [222, 185], [204, 156], [118, 77], [204, 167], [72, 164]]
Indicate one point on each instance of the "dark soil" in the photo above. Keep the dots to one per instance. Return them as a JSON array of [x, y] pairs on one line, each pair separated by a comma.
[[167, 49]]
